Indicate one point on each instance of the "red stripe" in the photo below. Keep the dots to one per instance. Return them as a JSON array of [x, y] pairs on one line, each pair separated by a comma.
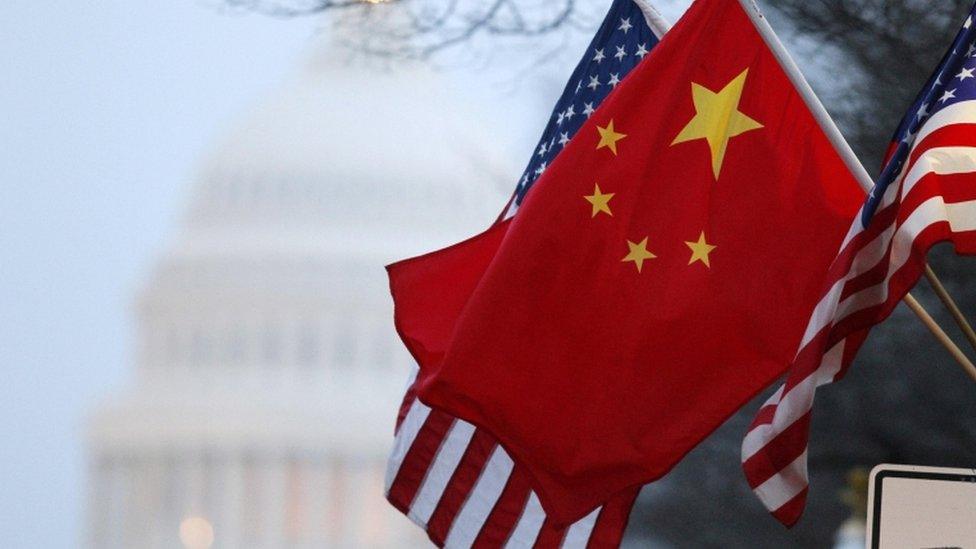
[[845, 258], [870, 277], [900, 284], [408, 398], [852, 344], [550, 537], [863, 319], [792, 510], [418, 459], [764, 416], [855, 327], [892, 148], [953, 188], [808, 362], [612, 522], [779, 452], [953, 135], [506, 513], [842, 264], [810, 356], [460, 485]]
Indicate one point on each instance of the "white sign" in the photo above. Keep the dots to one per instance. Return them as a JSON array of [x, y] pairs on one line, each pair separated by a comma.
[[921, 507]]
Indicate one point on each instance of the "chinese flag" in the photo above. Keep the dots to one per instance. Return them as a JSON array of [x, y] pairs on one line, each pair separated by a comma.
[[656, 278]]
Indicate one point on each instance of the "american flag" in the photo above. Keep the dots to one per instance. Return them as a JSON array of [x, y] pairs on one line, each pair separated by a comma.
[[627, 35], [453, 479], [926, 194]]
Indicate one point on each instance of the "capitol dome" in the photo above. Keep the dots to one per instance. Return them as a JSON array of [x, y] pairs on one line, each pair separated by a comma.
[[351, 155], [268, 373]]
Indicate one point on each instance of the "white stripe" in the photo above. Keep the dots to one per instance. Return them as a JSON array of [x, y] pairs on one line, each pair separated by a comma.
[[440, 472], [484, 495], [963, 112], [579, 533], [868, 257], [891, 193], [795, 403], [510, 212], [411, 425], [962, 216], [941, 161], [823, 313], [872, 253], [412, 376], [529, 524], [411, 379], [784, 485], [658, 24], [856, 229], [928, 213], [831, 364]]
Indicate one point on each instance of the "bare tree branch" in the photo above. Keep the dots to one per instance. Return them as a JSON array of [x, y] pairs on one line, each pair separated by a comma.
[[286, 8], [422, 28], [884, 49], [881, 49]]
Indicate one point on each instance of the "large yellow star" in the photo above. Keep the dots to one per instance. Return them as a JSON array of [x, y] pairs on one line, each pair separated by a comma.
[[609, 137], [700, 250], [638, 253], [600, 201], [717, 119]]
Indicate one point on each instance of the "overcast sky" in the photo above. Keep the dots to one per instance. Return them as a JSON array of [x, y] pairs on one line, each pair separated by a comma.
[[107, 107]]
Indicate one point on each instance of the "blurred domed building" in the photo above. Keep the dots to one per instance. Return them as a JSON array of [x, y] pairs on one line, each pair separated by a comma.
[[268, 372]]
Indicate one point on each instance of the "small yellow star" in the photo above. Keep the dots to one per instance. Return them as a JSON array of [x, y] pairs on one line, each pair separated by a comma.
[[609, 137], [700, 250], [717, 119], [638, 253], [600, 201]]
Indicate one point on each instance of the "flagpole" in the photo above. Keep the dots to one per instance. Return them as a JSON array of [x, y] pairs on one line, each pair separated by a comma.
[[940, 334], [863, 178], [950, 304]]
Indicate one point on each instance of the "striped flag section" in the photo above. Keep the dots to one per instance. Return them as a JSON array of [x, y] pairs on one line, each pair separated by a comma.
[[454, 480], [926, 194]]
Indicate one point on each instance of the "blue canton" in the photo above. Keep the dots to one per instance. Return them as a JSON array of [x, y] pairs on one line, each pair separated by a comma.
[[621, 43], [954, 81]]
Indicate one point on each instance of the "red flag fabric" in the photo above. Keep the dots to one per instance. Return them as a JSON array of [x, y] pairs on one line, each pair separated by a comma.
[[447, 476], [657, 277]]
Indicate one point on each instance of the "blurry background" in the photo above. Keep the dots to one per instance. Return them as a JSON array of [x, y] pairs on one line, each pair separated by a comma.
[[199, 197]]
